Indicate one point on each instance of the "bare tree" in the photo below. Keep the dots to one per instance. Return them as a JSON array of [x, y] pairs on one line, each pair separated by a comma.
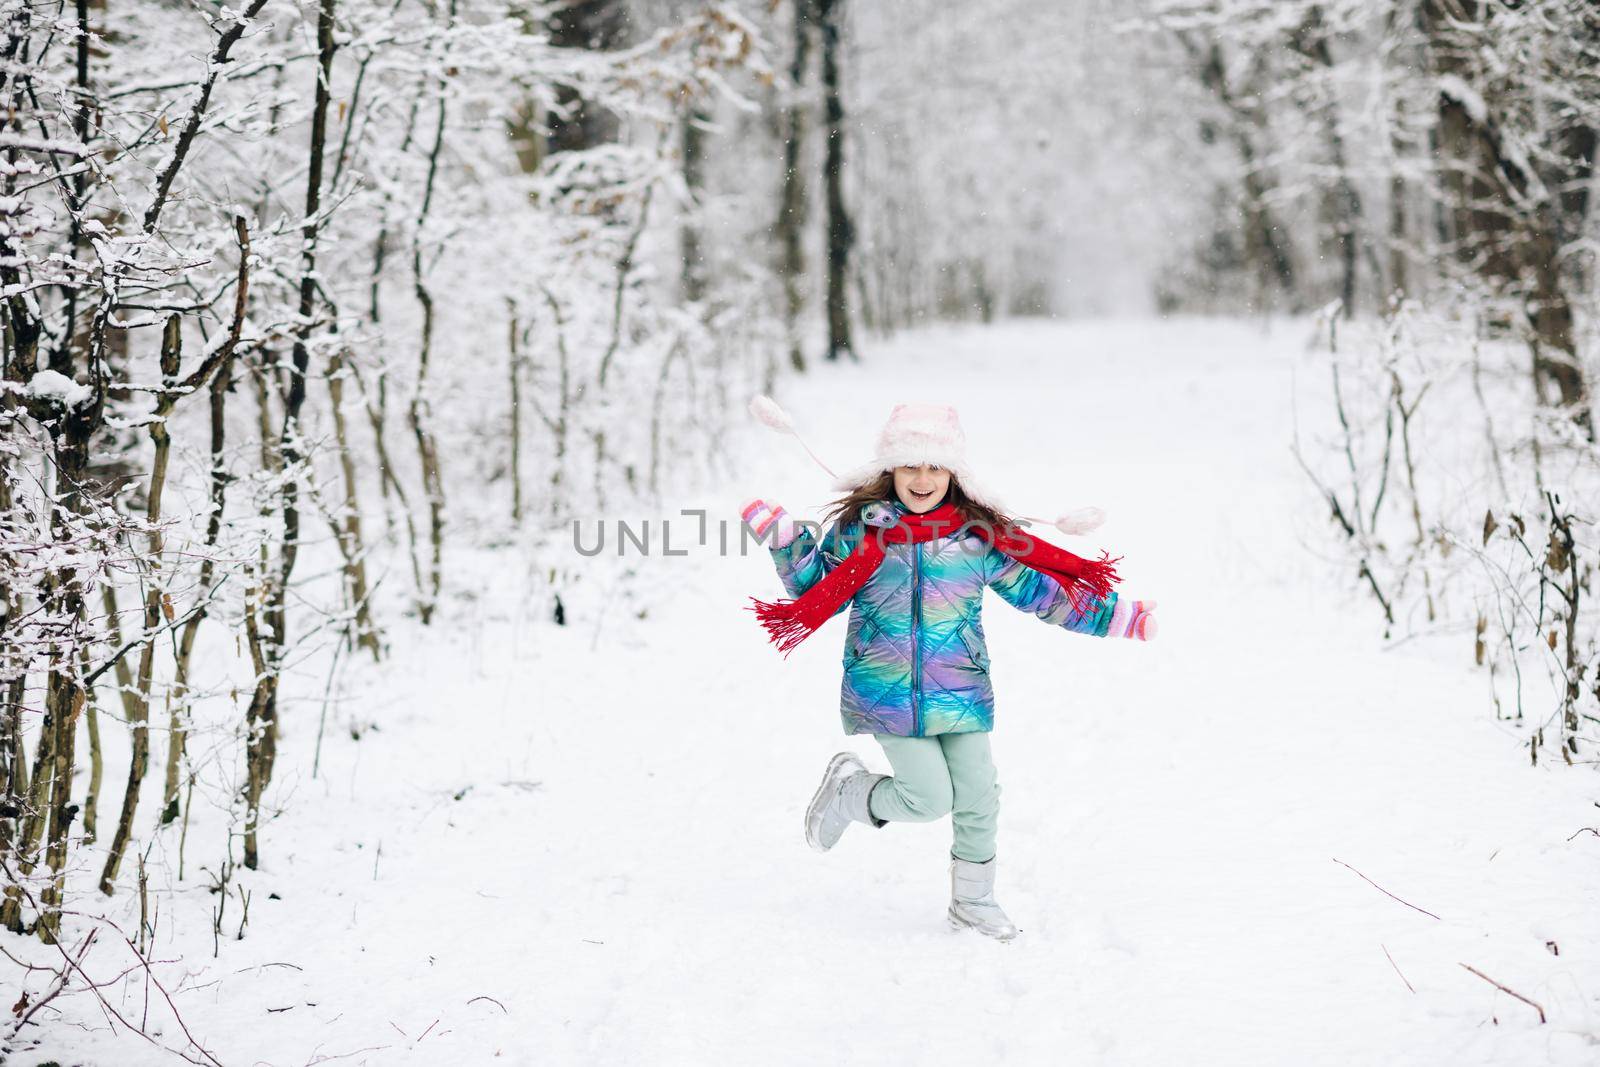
[[793, 200], [841, 232]]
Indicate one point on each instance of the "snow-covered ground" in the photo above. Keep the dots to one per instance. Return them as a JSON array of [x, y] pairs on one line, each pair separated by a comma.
[[582, 844]]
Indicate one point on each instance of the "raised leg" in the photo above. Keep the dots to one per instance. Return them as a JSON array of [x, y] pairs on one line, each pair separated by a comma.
[[920, 790]]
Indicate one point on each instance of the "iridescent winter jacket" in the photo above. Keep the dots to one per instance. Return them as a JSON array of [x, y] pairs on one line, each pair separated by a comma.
[[915, 664]]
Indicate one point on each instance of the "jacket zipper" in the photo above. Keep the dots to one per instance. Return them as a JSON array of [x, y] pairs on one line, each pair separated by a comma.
[[916, 642]]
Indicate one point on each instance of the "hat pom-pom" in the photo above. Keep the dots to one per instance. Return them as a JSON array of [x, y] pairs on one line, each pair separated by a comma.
[[767, 411], [1082, 521]]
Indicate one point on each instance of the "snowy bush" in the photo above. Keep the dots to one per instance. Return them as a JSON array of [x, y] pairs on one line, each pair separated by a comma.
[[1466, 507]]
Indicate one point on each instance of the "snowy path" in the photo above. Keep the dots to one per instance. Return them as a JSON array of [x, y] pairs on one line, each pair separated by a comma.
[[626, 876]]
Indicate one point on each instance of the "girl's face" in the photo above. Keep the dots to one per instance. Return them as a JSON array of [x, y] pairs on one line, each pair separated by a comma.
[[921, 488]]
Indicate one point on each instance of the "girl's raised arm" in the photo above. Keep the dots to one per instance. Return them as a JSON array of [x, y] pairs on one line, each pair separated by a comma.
[[1027, 590], [802, 561]]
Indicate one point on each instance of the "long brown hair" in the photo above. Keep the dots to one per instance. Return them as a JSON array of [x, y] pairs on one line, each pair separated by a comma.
[[848, 507]]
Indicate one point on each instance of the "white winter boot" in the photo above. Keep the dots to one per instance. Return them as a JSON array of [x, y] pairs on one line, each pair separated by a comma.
[[972, 903], [840, 800]]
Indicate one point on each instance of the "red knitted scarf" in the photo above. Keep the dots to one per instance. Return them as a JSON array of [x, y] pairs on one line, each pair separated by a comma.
[[789, 622]]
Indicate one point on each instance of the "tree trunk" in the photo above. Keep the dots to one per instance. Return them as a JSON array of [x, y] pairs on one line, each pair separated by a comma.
[[13, 790], [352, 546], [841, 234], [1264, 237], [177, 740], [91, 722], [420, 413], [65, 701], [692, 277], [793, 203], [1504, 225], [261, 744], [155, 604], [1350, 224], [64, 693], [13, 755], [514, 376], [32, 806], [598, 25]]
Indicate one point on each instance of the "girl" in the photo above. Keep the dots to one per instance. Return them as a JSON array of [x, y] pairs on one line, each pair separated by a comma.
[[910, 549]]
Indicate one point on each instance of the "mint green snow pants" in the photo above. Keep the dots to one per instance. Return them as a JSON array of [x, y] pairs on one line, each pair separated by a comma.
[[948, 774]]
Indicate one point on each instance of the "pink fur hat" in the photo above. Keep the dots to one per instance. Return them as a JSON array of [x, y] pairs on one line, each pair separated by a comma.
[[916, 434]]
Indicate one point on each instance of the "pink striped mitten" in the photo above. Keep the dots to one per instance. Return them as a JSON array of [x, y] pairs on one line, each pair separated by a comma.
[[1133, 618], [762, 516]]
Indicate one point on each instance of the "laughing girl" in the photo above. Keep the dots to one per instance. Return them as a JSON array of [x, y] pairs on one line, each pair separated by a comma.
[[910, 549]]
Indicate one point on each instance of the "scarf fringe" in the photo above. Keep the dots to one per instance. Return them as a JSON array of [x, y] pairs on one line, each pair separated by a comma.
[[783, 622], [1101, 574]]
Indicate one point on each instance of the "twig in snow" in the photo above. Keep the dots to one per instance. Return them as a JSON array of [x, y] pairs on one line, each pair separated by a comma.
[[1385, 892], [22, 1008], [151, 980], [316, 1059], [491, 1000], [1508, 992], [94, 987], [1586, 830], [1396, 967]]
